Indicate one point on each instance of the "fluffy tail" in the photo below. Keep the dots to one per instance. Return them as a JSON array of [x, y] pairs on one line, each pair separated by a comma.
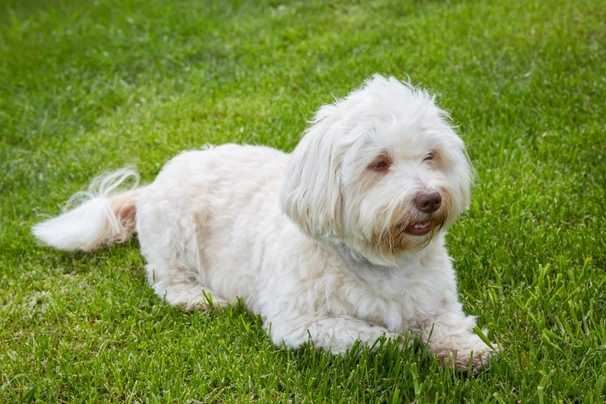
[[103, 215]]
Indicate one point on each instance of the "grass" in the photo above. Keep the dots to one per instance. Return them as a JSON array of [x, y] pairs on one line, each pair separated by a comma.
[[92, 86]]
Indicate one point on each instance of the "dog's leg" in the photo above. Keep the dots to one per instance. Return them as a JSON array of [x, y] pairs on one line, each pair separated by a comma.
[[336, 334]]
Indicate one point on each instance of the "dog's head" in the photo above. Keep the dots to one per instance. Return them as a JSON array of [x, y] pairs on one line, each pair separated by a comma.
[[380, 171]]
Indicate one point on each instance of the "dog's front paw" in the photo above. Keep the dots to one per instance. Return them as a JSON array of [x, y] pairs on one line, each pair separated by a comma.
[[468, 354]]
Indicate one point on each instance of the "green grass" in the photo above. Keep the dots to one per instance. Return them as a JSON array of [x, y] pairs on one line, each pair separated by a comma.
[[91, 86]]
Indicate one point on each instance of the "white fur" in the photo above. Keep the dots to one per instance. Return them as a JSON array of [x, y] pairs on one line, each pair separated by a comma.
[[97, 220], [314, 241]]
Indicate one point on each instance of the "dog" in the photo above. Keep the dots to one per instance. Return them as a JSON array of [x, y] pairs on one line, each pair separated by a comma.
[[338, 242]]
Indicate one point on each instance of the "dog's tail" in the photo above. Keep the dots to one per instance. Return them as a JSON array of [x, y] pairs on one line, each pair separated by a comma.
[[102, 215]]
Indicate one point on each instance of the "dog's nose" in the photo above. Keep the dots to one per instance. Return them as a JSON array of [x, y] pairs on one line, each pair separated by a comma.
[[428, 201]]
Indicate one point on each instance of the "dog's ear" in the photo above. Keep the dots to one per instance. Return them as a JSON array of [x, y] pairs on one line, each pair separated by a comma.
[[311, 191], [466, 177], [462, 174]]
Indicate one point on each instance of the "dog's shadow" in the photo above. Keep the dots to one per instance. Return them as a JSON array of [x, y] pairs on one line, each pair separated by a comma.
[[125, 256], [405, 363], [387, 358]]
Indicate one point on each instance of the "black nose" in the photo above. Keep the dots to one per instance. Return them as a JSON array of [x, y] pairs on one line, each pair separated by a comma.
[[428, 201]]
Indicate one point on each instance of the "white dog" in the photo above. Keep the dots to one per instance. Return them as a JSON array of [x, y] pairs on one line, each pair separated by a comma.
[[342, 240]]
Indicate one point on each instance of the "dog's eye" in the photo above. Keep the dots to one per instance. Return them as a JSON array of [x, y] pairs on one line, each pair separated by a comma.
[[380, 165], [429, 157]]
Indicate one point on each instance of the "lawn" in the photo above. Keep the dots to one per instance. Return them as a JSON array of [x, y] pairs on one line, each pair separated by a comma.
[[87, 87]]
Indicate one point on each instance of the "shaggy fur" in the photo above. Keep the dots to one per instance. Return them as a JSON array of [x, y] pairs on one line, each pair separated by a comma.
[[342, 240]]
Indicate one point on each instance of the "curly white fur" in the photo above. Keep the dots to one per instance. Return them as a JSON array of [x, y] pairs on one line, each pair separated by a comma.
[[330, 243]]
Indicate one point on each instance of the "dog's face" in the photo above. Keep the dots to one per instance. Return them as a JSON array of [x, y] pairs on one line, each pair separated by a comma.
[[380, 171]]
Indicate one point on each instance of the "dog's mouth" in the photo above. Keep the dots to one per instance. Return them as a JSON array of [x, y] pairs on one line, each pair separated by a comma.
[[422, 230], [419, 228]]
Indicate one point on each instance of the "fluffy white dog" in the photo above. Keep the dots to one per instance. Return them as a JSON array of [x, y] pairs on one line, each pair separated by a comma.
[[342, 240]]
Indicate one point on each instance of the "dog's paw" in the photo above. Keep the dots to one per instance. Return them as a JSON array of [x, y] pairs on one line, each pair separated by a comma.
[[204, 306], [207, 303], [470, 355]]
